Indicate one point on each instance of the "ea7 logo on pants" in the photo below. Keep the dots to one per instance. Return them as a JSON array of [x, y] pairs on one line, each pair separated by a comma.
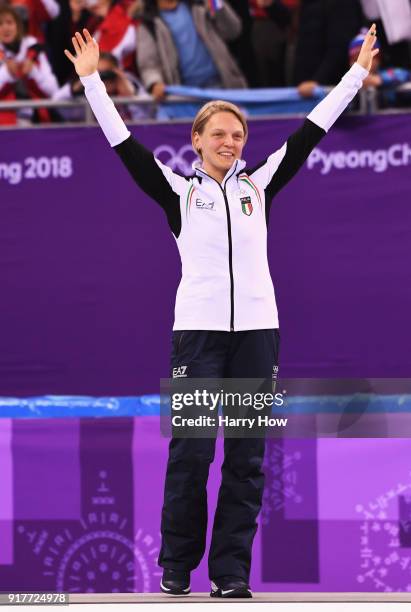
[[180, 372]]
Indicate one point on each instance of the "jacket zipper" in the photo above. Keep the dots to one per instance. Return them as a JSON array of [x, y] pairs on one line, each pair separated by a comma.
[[230, 244], [230, 260]]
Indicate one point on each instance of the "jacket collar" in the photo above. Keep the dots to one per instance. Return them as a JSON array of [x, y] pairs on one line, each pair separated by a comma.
[[236, 167]]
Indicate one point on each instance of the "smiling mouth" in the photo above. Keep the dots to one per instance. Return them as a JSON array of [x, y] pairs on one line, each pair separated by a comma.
[[226, 155]]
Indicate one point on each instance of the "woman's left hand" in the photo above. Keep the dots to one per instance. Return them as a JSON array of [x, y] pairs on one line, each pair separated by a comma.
[[367, 52]]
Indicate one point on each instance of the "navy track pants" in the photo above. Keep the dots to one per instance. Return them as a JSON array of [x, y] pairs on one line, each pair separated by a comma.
[[215, 354]]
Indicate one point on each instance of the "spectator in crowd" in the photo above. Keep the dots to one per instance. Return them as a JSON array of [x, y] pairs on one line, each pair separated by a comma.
[[25, 72], [180, 42], [326, 28], [393, 20], [73, 16], [114, 30], [241, 47], [118, 83], [394, 54], [293, 7], [386, 79], [135, 9], [269, 38], [35, 14]]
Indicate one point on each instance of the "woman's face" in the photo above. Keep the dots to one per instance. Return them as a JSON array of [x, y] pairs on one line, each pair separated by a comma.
[[8, 29], [221, 142]]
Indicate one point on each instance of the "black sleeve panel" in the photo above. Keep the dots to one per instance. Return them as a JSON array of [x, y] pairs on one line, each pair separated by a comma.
[[142, 166], [299, 146]]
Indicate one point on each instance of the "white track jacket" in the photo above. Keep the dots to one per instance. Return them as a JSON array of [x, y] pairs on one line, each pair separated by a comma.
[[221, 229]]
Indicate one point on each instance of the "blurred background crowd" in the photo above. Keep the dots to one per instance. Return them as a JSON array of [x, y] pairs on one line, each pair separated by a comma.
[[147, 45]]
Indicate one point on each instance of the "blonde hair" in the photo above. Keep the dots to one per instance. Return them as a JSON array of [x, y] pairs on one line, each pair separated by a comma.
[[210, 109]]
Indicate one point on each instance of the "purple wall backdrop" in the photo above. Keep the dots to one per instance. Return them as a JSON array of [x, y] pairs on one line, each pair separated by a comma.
[[88, 272], [89, 269]]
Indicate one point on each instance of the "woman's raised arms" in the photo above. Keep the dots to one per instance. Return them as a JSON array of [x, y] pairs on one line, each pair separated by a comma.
[[283, 164], [153, 177], [86, 63]]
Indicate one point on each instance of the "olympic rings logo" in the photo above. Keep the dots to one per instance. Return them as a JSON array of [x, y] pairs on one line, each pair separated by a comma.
[[181, 160]]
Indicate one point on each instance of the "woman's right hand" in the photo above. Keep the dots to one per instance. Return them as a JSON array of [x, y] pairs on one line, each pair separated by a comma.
[[87, 53]]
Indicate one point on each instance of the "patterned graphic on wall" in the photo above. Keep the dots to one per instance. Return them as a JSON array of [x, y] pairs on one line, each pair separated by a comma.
[[289, 503], [282, 480], [385, 542], [81, 499], [101, 551]]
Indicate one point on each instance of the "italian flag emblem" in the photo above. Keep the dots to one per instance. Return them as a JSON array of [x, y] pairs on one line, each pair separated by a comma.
[[246, 205]]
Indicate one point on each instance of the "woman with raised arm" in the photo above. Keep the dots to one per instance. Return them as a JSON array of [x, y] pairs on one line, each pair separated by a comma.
[[226, 323]]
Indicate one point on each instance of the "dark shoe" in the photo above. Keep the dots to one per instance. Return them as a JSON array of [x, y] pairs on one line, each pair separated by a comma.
[[175, 582], [230, 587]]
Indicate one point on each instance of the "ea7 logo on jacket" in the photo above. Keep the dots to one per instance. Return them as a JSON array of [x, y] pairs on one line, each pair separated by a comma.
[[246, 205], [204, 205], [180, 372]]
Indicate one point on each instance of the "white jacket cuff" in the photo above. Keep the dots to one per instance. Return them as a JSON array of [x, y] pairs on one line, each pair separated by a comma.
[[104, 110], [328, 110]]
